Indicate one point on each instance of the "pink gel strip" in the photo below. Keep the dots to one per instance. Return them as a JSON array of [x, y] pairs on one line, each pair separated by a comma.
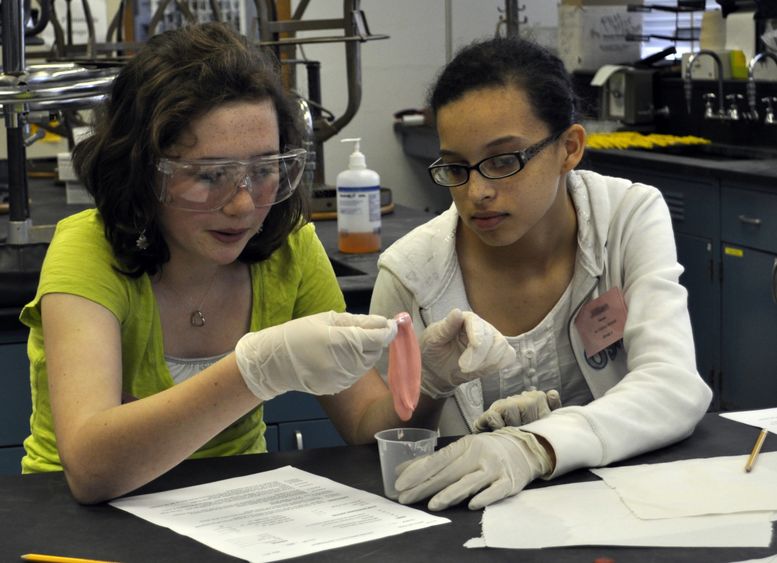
[[404, 368]]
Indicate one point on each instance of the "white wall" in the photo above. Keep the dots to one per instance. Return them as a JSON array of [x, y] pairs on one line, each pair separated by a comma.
[[396, 74]]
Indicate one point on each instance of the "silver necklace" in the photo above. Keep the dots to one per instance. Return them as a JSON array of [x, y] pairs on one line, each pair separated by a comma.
[[197, 318]]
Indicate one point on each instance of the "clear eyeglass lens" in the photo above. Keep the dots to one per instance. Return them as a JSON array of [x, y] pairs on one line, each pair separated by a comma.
[[450, 175], [208, 187], [501, 165]]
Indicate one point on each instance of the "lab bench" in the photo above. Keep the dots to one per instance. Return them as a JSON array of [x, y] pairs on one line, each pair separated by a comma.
[[39, 513], [294, 420]]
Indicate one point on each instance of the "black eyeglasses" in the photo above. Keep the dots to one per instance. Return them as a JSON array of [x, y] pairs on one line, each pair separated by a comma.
[[492, 167]]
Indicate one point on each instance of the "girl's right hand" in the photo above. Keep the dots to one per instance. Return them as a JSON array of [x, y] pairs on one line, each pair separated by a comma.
[[321, 354], [518, 410]]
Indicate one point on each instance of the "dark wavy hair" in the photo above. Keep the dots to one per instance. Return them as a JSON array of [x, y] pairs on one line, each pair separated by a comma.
[[505, 61], [177, 77]]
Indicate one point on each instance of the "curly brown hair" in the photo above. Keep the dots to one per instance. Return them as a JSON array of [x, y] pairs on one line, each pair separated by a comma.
[[177, 77]]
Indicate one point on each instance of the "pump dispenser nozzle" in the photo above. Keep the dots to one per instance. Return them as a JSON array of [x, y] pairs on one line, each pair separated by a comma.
[[356, 160]]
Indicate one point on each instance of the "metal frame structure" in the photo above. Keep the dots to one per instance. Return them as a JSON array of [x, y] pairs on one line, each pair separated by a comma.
[[26, 91], [45, 90]]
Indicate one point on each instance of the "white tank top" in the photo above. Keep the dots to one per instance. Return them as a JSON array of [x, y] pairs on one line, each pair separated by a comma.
[[182, 369]]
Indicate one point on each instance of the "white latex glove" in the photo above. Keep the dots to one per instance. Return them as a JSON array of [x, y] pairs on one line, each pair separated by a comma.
[[459, 348], [494, 465], [320, 354], [517, 410]]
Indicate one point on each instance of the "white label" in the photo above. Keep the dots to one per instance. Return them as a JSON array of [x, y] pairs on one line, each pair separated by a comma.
[[358, 209]]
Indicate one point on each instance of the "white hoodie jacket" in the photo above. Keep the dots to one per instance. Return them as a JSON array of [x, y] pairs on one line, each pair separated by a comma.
[[648, 397]]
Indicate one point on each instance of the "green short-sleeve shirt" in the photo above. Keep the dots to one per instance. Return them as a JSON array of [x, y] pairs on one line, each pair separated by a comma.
[[297, 280]]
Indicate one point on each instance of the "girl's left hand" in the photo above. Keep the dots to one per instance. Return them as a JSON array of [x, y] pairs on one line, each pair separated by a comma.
[[494, 465]]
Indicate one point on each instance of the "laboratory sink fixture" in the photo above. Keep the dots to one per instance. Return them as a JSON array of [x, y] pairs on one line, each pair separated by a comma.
[[716, 151]]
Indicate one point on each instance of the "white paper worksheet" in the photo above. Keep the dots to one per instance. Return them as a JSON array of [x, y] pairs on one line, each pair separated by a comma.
[[761, 418], [276, 514]]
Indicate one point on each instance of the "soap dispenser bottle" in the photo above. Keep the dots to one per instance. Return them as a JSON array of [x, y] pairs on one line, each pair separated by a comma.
[[358, 205]]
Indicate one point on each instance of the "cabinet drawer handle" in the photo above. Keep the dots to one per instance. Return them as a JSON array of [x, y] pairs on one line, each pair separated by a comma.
[[298, 436], [755, 221], [774, 285]]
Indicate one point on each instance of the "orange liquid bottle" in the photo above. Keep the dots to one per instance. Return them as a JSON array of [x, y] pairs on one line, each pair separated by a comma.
[[358, 243], [358, 206]]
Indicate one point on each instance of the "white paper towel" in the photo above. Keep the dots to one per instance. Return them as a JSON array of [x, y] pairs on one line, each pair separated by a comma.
[[740, 33]]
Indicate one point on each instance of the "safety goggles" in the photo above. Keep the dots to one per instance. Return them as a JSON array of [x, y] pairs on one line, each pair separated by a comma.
[[208, 185]]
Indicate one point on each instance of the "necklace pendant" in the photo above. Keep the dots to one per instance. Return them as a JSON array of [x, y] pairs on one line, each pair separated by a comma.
[[197, 319]]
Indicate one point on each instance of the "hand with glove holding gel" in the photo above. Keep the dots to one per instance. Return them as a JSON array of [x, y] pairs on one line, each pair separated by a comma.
[[459, 348], [320, 354]]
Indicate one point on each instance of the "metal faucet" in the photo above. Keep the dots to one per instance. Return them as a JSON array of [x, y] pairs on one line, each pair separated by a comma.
[[688, 87], [769, 103], [751, 99], [733, 108]]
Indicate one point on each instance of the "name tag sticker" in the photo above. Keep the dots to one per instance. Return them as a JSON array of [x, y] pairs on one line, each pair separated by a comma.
[[601, 322]]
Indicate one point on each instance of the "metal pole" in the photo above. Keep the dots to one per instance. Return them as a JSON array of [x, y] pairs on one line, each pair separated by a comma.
[[448, 31], [14, 64], [512, 19], [313, 69], [13, 35]]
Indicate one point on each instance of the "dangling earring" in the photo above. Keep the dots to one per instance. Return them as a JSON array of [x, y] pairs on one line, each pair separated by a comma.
[[259, 230], [142, 242]]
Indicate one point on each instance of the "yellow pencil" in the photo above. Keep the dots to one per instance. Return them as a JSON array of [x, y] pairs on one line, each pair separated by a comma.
[[757, 448], [41, 558]]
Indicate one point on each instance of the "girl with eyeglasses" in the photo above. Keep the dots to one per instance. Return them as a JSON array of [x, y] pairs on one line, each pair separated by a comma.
[[542, 285], [195, 290]]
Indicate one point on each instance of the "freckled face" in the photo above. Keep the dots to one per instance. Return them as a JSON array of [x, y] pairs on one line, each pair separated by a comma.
[[235, 131], [485, 123]]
